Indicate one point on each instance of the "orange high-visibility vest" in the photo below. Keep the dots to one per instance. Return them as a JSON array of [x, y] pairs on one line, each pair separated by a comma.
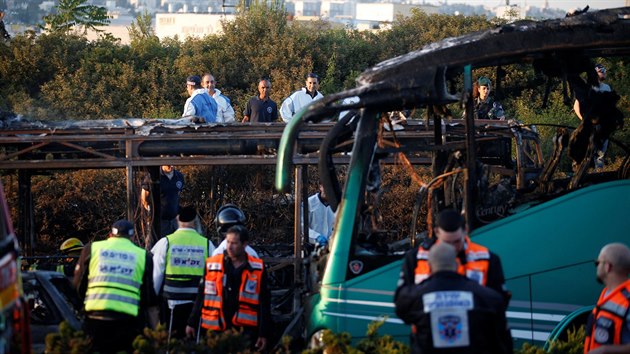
[[248, 297], [608, 318], [476, 267]]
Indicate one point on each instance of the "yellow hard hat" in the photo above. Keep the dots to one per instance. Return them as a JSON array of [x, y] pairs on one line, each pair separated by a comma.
[[71, 245]]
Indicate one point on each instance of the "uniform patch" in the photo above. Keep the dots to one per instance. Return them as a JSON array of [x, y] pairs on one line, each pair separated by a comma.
[[356, 267], [447, 300], [250, 286], [475, 275], [269, 109], [449, 328], [601, 336], [210, 288]]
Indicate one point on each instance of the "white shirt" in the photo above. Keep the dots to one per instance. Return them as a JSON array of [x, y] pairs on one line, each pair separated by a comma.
[[225, 112], [189, 109], [321, 219], [223, 246], [159, 265], [296, 102]]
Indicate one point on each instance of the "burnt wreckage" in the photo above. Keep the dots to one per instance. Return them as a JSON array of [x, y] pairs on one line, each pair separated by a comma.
[[498, 163]]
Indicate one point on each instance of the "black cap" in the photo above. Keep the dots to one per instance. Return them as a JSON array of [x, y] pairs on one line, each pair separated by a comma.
[[122, 228], [187, 213]]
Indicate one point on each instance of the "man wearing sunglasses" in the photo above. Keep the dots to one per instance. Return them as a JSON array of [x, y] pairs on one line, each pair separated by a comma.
[[608, 326]]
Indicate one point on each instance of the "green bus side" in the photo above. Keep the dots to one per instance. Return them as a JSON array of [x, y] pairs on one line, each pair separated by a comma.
[[547, 253]]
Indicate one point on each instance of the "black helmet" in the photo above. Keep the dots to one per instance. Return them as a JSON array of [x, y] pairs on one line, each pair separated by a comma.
[[227, 216]]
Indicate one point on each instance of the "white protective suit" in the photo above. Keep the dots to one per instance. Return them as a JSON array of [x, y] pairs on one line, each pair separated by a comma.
[[321, 219], [294, 103]]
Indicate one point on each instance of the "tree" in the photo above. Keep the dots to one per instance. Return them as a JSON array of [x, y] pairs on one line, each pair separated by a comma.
[[75, 14]]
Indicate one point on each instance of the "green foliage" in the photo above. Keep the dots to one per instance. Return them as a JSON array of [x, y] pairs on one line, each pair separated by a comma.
[[142, 29], [62, 76], [419, 29], [372, 343], [155, 342], [75, 14], [67, 340], [573, 345]]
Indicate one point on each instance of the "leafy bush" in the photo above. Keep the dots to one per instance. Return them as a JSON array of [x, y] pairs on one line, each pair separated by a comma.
[[67, 340], [372, 343], [573, 345]]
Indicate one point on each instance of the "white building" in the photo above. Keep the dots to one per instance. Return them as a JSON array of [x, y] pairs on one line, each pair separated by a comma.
[[337, 9], [380, 15], [307, 8], [189, 24], [510, 12]]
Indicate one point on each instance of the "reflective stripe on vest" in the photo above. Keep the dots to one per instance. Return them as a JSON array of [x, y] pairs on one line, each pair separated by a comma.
[[476, 267], [245, 317], [212, 317], [608, 318], [115, 275], [185, 258]]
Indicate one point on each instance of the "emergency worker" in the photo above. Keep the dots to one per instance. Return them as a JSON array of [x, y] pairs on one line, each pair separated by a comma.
[[71, 248], [450, 313], [299, 99], [64, 261], [321, 218], [178, 262], [234, 293], [114, 278], [608, 327], [227, 216], [474, 261]]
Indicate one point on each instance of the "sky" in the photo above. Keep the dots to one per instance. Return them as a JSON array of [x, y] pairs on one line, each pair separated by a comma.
[[560, 4]]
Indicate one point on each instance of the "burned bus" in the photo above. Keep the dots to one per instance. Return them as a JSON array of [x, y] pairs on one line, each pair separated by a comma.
[[546, 226]]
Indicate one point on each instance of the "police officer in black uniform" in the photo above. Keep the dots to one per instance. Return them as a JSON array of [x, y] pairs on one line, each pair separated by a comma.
[[450, 313]]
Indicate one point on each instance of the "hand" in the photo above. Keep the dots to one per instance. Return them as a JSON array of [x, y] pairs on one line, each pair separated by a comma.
[[190, 332], [321, 241], [261, 343]]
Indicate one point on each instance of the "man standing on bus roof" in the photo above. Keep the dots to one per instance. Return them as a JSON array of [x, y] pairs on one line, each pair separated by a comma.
[[451, 312], [474, 261], [608, 326], [200, 103], [261, 108], [225, 112], [294, 103]]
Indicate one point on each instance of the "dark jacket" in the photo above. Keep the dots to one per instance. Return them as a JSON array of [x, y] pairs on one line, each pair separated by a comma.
[[496, 279], [230, 301], [479, 308]]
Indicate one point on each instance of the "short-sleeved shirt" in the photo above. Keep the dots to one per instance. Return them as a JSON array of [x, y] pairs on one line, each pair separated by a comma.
[[169, 194], [260, 111]]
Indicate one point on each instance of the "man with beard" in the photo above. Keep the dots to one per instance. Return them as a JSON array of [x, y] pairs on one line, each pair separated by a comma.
[[607, 329]]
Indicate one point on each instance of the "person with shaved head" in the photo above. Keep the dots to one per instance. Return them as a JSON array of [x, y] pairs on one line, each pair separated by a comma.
[[608, 327], [450, 313]]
